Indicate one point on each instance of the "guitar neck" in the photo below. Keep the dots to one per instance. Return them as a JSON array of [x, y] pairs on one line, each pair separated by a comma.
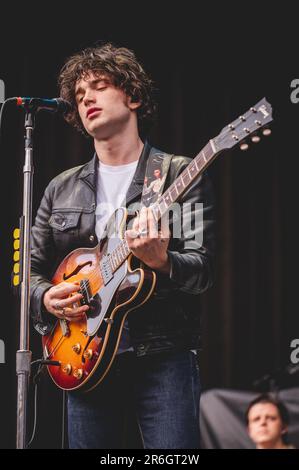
[[171, 195], [186, 178], [236, 133]]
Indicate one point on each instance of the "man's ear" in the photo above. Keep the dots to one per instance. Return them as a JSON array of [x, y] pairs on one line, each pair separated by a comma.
[[133, 104]]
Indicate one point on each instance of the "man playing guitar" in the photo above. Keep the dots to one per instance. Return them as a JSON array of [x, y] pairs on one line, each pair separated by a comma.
[[155, 374]]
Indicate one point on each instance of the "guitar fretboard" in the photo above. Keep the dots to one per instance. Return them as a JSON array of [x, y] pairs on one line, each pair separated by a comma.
[[171, 195]]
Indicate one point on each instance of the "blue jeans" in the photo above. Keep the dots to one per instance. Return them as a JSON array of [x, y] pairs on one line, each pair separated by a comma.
[[161, 390]]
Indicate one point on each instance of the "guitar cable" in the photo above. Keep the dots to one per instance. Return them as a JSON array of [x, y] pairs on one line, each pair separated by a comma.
[[35, 381], [41, 363]]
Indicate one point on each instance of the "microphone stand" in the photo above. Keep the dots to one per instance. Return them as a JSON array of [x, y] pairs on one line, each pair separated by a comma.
[[23, 355]]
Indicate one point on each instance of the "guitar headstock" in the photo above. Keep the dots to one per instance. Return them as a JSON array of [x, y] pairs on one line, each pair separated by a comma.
[[249, 126]]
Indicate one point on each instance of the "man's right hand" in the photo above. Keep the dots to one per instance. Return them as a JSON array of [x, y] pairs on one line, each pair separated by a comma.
[[61, 300]]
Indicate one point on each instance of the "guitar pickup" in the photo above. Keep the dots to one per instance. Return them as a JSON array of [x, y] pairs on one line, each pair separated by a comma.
[[106, 270]]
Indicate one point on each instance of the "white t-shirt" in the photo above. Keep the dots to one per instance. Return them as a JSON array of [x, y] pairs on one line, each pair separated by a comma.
[[113, 184]]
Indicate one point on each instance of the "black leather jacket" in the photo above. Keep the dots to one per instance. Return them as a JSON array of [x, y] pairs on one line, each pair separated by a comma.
[[170, 319]]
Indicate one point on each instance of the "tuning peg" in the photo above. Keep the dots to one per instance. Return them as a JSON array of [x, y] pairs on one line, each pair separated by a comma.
[[266, 132], [255, 139], [244, 146]]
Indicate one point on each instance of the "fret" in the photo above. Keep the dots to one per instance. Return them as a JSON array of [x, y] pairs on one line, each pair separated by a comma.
[[180, 182], [161, 208], [123, 251], [184, 174], [117, 255], [199, 163], [167, 198], [177, 190], [172, 195], [120, 253], [119, 248], [212, 145], [156, 211], [128, 251], [112, 262], [192, 168], [125, 248]]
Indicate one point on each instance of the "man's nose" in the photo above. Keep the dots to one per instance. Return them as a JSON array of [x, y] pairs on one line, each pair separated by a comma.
[[89, 97]]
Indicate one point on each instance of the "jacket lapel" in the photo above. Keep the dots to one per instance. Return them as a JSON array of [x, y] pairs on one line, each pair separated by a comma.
[[89, 175], [136, 186]]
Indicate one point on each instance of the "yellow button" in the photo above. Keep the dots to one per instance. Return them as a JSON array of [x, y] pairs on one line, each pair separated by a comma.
[[16, 268], [16, 233]]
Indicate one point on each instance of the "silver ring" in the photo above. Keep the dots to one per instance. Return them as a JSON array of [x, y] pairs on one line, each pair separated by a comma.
[[143, 232], [58, 307]]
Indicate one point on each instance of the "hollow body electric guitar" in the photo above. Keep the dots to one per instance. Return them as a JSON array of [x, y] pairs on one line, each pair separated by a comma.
[[84, 351]]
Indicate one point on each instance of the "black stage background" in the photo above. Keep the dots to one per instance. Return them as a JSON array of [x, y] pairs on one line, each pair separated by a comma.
[[207, 72]]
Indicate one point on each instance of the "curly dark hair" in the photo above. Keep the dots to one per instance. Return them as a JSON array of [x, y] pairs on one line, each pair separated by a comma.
[[120, 65]]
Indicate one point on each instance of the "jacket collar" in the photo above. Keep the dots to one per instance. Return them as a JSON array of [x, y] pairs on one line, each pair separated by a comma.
[[89, 174]]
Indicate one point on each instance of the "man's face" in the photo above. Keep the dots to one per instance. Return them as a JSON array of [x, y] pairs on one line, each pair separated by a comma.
[[157, 173], [103, 108], [264, 424]]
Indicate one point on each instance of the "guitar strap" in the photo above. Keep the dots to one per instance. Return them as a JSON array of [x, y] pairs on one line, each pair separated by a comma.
[[157, 167]]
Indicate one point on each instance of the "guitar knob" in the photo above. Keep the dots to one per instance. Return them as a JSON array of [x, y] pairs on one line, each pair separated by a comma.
[[67, 369], [88, 354], [266, 132], [255, 139], [76, 348], [244, 146], [78, 373]]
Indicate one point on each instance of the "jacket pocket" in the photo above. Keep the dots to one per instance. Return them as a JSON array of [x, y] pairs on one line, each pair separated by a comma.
[[65, 227], [63, 221]]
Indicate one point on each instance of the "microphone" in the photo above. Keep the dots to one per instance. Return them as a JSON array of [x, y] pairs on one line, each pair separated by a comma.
[[38, 104]]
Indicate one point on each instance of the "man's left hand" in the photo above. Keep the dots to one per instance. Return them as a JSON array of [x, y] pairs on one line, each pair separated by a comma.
[[147, 243]]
